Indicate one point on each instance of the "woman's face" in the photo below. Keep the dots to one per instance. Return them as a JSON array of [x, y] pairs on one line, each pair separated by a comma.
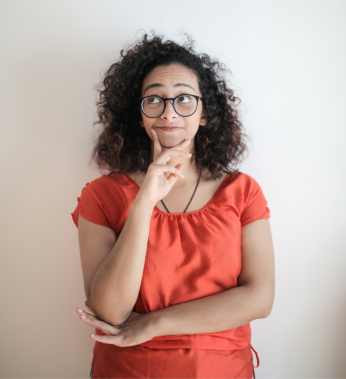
[[171, 81]]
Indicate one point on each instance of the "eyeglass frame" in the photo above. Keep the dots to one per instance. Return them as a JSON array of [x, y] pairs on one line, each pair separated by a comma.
[[173, 100]]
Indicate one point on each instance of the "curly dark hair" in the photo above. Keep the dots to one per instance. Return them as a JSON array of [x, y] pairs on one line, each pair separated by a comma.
[[123, 146]]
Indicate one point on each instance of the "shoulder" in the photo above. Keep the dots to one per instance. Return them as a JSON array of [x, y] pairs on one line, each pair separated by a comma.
[[105, 183], [243, 184], [105, 191], [242, 189], [105, 201], [250, 199]]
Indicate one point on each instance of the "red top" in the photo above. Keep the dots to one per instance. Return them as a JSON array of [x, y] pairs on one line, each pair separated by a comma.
[[189, 256]]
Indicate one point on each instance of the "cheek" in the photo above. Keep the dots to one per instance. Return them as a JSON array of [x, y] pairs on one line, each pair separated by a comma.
[[196, 119], [200, 121], [192, 123], [148, 125], [147, 122]]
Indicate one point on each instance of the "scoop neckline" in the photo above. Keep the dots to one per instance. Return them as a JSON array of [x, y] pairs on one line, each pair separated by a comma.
[[186, 213]]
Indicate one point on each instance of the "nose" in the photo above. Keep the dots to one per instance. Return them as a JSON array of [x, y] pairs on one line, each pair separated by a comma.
[[169, 113]]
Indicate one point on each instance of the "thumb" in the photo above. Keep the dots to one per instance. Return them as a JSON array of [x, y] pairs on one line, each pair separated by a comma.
[[172, 178], [179, 166]]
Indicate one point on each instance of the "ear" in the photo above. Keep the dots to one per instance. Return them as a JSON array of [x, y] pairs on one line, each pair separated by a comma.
[[141, 124], [203, 120]]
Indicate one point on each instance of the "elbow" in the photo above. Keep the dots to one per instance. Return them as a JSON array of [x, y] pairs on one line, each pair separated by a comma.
[[107, 313], [267, 310], [266, 301]]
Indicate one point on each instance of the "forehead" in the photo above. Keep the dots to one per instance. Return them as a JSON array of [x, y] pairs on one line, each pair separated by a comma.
[[170, 75]]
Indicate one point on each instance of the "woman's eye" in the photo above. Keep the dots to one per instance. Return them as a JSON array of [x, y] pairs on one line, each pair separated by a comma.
[[184, 99], [153, 100]]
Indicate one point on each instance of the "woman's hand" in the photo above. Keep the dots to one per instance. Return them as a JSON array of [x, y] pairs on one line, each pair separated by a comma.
[[156, 185], [138, 328]]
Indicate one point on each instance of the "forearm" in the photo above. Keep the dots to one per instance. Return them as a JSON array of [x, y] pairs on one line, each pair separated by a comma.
[[116, 284], [215, 313]]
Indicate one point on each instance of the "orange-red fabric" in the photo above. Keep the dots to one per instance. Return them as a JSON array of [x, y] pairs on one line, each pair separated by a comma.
[[189, 256]]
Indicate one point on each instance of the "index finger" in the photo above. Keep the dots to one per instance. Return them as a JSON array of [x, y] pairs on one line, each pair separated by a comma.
[[158, 147], [157, 144]]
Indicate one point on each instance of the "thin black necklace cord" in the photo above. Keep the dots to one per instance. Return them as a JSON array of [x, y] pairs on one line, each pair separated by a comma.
[[191, 197]]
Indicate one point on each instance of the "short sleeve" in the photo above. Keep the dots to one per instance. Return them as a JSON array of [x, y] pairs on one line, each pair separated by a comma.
[[255, 204], [91, 206]]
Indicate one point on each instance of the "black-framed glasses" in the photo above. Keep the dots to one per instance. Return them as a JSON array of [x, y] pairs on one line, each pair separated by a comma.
[[185, 105]]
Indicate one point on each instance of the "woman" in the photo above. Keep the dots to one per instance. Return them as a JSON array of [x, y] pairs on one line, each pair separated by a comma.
[[176, 248]]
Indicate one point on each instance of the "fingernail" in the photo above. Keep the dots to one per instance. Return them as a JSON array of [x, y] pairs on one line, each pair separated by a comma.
[[83, 316]]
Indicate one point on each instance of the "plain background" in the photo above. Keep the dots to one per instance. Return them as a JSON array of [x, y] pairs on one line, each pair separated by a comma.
[[287, 60]]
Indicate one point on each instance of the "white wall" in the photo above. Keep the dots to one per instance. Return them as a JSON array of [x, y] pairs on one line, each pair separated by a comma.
[[288, 63]]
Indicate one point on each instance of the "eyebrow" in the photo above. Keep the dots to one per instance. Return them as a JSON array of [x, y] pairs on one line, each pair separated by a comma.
[[161, 85]]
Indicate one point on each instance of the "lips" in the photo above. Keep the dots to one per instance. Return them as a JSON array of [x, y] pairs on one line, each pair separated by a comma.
[[169, 129]]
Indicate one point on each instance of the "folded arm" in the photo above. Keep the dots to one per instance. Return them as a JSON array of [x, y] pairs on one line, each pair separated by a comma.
[[252, 299]]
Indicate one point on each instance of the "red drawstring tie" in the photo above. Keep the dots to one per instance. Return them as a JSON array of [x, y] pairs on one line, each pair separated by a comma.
[[257, 361]]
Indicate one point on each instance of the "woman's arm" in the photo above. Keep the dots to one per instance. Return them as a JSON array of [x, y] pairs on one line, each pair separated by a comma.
[[252, 299], [113, 267]]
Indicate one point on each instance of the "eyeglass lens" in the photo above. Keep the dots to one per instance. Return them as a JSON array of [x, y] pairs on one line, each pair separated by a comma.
[[185, 105]]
